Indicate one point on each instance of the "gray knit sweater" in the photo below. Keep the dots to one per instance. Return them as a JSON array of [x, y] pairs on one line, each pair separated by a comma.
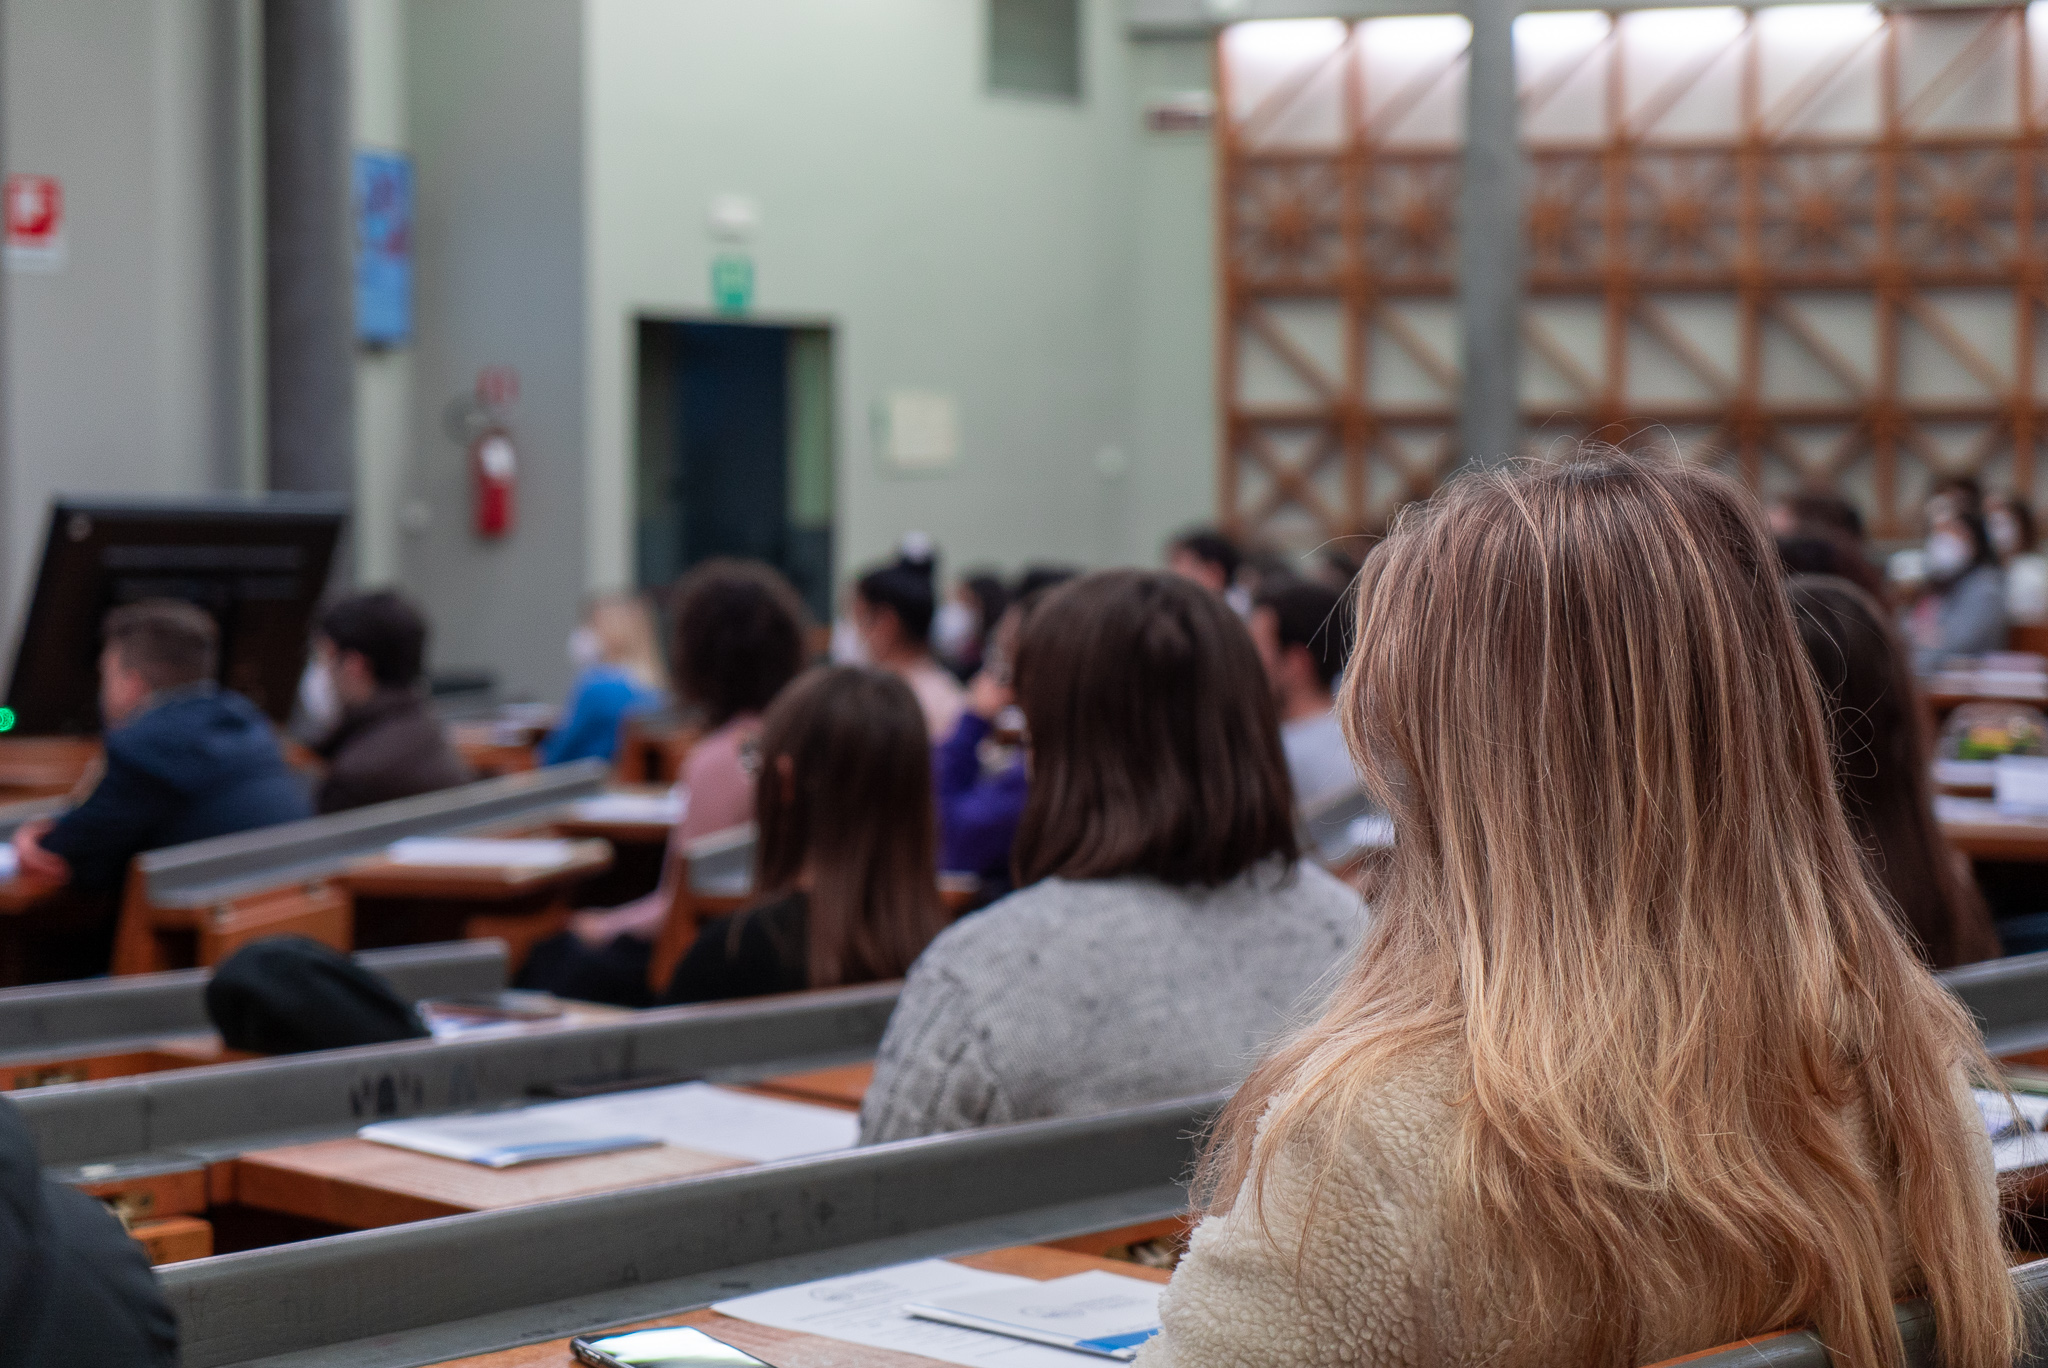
[[1069, 998]]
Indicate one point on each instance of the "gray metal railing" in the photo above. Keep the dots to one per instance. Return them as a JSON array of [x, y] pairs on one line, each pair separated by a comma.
[[2009, 998], [155, 1120], [79, 1016], [422, 1293], [1803, 1349], [206, 872]]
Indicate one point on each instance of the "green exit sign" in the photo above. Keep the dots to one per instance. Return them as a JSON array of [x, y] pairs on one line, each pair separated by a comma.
[[732, 283]]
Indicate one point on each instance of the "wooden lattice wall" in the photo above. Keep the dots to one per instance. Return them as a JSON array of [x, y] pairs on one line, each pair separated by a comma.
[[1811, 242]]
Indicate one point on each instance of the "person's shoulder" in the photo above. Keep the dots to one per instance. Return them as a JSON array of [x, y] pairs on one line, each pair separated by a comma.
[[1026, 917], [1311, 886]]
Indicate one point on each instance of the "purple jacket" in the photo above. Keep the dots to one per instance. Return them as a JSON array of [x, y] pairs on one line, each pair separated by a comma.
[[977, 816]]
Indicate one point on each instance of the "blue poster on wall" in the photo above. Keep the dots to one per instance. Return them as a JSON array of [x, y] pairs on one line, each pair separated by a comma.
[[383, 194]]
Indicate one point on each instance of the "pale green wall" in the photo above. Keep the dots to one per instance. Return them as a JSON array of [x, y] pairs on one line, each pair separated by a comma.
[[978, 245], [1173, 374]]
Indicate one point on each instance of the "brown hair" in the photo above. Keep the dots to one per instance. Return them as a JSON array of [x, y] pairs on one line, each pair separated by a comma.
[[1155, 744], [738, 638], [1878, 733], [1624, 900], [856, 813], [169, 642]]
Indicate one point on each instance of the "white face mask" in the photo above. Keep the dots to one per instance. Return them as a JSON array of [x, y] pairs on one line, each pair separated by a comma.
[[585, 650], [2004, 530], [847, 646], [1947, 554], [953, 629], [318, 699]]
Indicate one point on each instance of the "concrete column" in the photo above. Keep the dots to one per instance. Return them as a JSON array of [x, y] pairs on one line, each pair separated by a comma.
[[309, 289], [1490, 242]]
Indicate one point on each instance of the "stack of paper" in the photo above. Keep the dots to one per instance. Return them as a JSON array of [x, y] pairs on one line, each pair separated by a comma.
[[873, 1309], [662, 809], [454, 852], [695, 1116]]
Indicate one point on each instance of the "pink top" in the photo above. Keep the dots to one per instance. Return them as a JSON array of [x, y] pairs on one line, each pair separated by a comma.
[[720, 795], [721, 791]]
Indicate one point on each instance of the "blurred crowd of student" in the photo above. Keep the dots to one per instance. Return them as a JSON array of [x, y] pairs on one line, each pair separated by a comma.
[[1123, 764]]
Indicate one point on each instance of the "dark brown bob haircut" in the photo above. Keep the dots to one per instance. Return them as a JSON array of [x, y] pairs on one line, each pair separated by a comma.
[[737, 637], [856, 813], [169, 642], [1155, 745]]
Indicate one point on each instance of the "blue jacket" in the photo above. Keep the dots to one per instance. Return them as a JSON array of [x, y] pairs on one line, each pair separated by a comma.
[[198, 762], [603, 695]]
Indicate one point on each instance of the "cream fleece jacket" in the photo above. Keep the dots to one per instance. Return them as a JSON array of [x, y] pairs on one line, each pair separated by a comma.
[[1373, 1287]]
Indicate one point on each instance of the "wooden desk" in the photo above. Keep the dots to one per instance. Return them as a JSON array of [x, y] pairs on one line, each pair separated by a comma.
[[172, 1052], [1982, 833], [793, 1349], [494, 748], [361, 1184], [44, 766], [26, 892], [403, 904], [619, 832], [843, 1086]]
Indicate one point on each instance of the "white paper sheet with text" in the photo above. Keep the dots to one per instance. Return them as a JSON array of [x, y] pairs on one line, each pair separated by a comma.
[[694, 1116], [867, 1308]]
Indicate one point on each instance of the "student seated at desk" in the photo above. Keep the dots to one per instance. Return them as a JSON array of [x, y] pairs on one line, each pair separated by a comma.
[[1166, 926], [1877, 730], [620, 673], [1633, 1061], [387, 742], [1963, 610], [1303, 639], [736, 641], [845, 864], [185, 759], [75, 1290], [892, 615], [981, 798]]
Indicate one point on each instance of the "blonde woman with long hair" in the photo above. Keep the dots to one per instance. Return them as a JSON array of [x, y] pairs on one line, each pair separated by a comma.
[[619, 671], [1632, 1062]]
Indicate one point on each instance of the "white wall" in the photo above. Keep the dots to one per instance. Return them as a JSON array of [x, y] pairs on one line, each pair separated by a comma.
[[974, 244], [119, 366]]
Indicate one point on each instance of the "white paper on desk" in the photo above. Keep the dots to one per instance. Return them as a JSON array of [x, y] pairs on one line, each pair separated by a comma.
[[1096, 1312], [867, 1308], [654, 808], [451, 852], [694, 1116]]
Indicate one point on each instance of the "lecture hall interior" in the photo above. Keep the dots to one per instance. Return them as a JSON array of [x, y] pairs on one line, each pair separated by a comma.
[[884, 683]]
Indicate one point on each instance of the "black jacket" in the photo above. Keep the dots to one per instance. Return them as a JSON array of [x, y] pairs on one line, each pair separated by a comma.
[[393, 746], [74, 1289], [198, 762], [763, 950]]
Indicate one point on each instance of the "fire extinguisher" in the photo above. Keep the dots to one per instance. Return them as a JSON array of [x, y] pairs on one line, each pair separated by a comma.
[[494, 476]]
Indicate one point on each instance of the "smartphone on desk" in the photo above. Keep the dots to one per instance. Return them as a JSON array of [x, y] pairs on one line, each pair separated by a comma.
[[675, 1346]]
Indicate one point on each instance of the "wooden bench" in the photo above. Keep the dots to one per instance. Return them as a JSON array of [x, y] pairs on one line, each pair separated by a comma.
[[150, 938]]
